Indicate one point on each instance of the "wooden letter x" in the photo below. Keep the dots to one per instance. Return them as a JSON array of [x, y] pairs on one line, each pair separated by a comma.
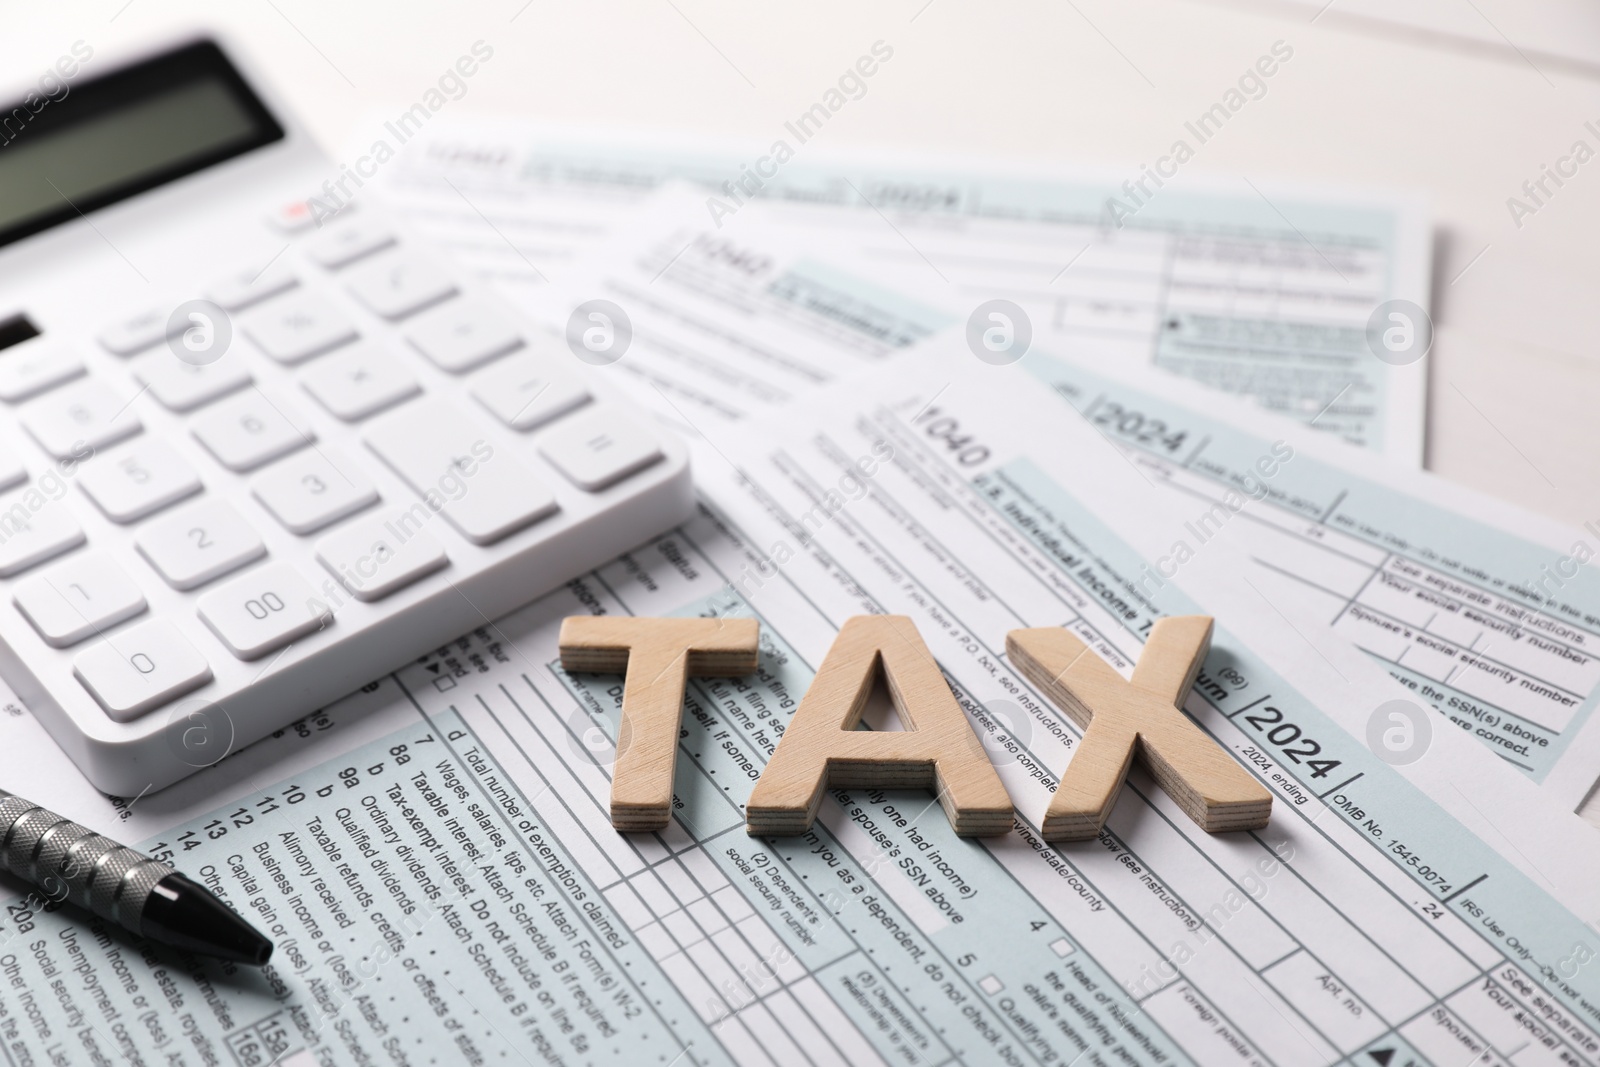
[[1120, 718], [658, 656]]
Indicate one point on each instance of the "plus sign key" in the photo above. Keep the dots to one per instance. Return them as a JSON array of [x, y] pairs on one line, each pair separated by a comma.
[[472, 480]]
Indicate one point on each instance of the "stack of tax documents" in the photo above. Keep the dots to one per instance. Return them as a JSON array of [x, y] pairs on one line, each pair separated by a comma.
[[1180, 414]]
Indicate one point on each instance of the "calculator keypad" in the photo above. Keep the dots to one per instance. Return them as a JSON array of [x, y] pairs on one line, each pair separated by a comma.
[[380, 555], [136, 334], [138, 479], [78, 598], [358, 381], [87, 414], [313, 489], [486, 493], [32, 531], [12, 472], [180, 386], [395, 286], [301, 314], [263, 610], [293, 328], [147, 666], [524, 395], [596, 450], [248, 430], [463, 334], [26, 374], [251, 287], [199, 544], [344, 245]]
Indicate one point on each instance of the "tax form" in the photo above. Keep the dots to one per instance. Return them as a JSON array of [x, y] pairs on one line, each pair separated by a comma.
[[1486, 612], [1483, 610], [1249, 286], [433, 857]]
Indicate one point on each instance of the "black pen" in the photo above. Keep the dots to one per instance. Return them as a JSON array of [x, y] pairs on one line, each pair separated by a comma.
[[144, 896]]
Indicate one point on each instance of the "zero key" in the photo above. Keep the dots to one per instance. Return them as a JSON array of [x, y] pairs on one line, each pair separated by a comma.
[[141, 669]]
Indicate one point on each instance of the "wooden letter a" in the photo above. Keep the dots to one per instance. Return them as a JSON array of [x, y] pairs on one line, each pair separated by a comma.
[[822, 746], [658, 656], [1120, 718]]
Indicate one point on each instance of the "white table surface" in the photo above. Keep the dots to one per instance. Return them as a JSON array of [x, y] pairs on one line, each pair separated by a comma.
[[1515, 375]]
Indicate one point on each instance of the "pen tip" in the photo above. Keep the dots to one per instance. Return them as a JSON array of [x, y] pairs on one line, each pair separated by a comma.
[[186, 915]]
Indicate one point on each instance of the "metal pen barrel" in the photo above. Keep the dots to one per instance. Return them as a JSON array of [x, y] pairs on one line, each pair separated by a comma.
[[66, 860]]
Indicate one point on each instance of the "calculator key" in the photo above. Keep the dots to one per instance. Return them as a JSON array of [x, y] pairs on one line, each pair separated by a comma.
[[263, 610], [140, 669], [597, 449], [400, 285], [296, 327], [297, 216], [199, 544], [377, 556], [181, 386], [463, 334], [248, 430], [523, 395], [12, 472], [138, 479], [78, 598], [30, 371], [359, 381], [350, 242], [83, 416], [313, 489], [34, 528], [442, 454], [137, 333], [239, 291]]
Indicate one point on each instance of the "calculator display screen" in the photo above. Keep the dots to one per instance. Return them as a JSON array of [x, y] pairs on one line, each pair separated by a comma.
[[103, 140]]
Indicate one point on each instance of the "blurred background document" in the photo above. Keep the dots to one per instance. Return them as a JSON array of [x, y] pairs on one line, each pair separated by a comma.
[[1248, 286]]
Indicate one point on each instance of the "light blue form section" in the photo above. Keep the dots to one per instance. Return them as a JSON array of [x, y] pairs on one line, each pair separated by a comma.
[[1528, 687]]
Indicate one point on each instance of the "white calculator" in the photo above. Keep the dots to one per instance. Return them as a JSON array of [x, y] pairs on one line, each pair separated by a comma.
[[259, 446]]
